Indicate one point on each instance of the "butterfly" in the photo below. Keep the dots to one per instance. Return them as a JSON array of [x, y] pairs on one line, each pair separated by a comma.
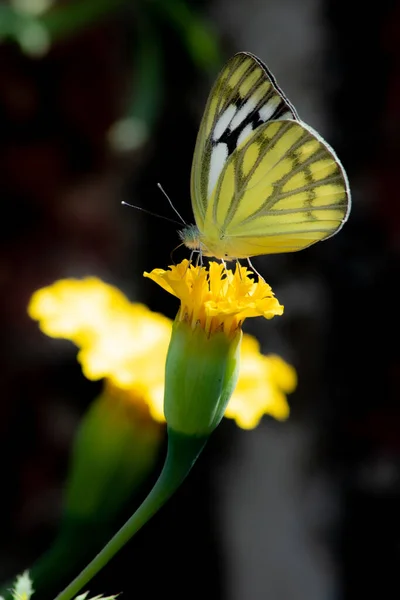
[[262, 181]]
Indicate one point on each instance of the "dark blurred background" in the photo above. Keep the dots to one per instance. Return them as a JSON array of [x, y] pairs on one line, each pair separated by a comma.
[[101, 100]]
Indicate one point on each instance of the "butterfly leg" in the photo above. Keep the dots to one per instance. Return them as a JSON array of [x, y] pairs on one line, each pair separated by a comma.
[[252, 267], [199, 260], [225, 267], [189, 262]]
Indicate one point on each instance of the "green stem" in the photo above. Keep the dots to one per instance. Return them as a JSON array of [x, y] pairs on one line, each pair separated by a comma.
[[182, 453]]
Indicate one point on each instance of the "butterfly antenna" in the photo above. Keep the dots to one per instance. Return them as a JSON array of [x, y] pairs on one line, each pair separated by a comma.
[[170, 202], [150, 213]]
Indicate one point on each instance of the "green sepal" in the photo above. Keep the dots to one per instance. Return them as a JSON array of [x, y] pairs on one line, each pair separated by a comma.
[[200, 376]]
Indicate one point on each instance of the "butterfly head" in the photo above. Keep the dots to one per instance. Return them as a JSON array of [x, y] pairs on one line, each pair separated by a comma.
[[219, 247], [190, 236]]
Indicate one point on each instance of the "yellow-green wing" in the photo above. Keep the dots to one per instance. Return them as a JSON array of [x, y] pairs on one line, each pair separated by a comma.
[[244, 97], [281, 190]]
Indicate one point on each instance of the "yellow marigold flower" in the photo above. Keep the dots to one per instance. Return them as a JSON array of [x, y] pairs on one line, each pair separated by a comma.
[[217, 298], [202, 364]]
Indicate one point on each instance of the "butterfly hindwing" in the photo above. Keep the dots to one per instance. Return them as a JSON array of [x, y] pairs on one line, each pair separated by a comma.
[[282, 190], [244, 97]]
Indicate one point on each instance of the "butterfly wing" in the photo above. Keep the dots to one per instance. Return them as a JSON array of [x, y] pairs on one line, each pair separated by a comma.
[[245, 96], [281, 190]]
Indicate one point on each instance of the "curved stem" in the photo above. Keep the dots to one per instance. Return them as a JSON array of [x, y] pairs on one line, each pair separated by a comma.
[[182, 453]]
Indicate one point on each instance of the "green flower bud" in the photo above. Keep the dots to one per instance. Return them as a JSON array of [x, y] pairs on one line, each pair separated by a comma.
[[200, 376]]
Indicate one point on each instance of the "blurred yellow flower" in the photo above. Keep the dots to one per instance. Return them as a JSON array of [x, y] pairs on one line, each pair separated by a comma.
[[76, 309], [262, 386], [127, 344], [123, 342], [217, 298]]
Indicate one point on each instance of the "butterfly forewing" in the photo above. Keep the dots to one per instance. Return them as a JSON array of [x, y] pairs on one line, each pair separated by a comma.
[[244, 97], [282, 190]]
